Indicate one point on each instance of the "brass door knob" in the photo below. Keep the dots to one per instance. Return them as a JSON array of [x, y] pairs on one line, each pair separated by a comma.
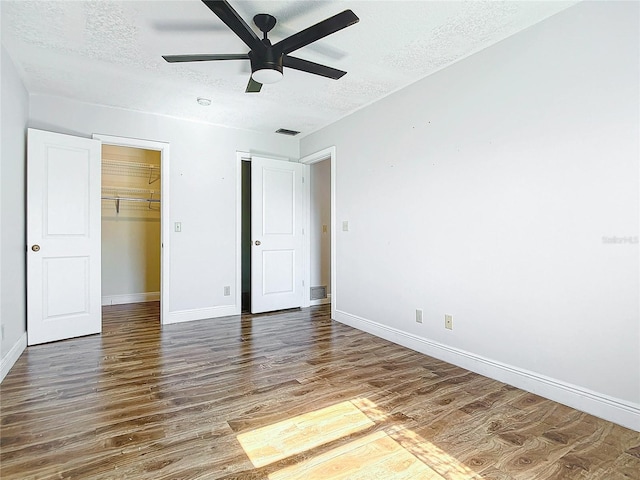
[[36, 248]]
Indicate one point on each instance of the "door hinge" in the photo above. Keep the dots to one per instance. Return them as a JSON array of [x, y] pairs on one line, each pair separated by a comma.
[[302, 179]]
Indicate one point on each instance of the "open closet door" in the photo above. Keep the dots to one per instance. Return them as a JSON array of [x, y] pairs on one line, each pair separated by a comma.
[[63, 237], [276, 234]]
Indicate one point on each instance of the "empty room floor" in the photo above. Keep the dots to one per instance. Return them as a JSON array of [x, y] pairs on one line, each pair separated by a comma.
[[282, 396]]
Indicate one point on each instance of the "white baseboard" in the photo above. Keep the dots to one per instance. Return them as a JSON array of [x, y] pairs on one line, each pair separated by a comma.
[[130, 298], [201, 314], [615, 410], [321, 301], [12, 356]]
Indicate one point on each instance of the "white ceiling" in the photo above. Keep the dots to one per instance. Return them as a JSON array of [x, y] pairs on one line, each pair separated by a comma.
[[108, 52]]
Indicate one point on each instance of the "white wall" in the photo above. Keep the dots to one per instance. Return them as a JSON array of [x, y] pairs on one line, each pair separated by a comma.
[[320, 262], [485, 191], [14, 101], [202, 191]]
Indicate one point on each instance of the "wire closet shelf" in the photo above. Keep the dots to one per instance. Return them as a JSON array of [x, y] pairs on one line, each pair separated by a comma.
[[131, 169]]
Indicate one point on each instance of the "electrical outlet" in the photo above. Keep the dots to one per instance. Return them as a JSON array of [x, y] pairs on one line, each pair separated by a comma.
[[345, 226], [419, 315], [448, 322], [227, 290]]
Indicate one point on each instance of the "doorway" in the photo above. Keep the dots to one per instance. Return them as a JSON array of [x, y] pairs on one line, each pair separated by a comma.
[[137, 170], [246, 235], [131, 196], [271, 234], [321, 221], [243, 255], [320, 232]]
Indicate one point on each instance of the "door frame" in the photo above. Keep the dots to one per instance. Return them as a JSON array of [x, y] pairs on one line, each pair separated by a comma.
[[324, 154], [244, 156], [165, 230], [240, 157], [308, 160]]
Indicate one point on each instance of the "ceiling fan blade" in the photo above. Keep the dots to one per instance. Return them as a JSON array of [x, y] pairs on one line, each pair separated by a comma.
[[317, 31], [230, 17], [253, 86], [311, 67], [205, 58]]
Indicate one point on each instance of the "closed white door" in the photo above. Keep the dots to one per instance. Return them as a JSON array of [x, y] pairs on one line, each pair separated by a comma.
[[276, 234], [63, 237]]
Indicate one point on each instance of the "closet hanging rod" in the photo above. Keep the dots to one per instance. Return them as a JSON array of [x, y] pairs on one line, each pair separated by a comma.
[[108, 189], [125, 164], [129, 199]]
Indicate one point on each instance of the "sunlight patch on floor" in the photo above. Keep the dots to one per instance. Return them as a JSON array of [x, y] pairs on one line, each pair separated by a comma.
[[374, 456], [426, 451], [396, 453], [433, 456], [298, 434]]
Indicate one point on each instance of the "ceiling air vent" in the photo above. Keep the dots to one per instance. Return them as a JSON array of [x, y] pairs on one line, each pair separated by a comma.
[[284, 131]]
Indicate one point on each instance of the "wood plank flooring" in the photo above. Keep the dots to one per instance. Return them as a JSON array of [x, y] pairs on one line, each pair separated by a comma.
[[306, 397]]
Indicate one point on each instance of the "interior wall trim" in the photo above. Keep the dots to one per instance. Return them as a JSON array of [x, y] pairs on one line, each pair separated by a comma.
[[321, 301], [130, 298], [165, 230], [201, 314], [12, 356], [609, 408], [328, 153]]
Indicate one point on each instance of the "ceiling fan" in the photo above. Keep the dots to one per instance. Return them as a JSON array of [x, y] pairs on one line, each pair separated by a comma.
[[267, 60]]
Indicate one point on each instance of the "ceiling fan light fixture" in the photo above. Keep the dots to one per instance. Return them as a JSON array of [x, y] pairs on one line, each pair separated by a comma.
[[267, 75]]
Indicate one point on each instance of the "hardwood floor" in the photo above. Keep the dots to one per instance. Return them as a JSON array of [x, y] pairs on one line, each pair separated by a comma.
[[282, 396]]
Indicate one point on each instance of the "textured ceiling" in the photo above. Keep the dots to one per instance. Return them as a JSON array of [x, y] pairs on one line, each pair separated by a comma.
[[108, 52]]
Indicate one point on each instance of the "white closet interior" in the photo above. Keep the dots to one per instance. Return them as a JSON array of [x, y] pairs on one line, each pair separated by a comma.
[[130, 225]]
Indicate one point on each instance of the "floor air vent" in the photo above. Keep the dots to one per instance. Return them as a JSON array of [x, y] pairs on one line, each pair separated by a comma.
[[318, 293]]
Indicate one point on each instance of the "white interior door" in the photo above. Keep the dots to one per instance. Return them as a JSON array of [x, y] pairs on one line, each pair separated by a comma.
[[63, 237], [276, 234]]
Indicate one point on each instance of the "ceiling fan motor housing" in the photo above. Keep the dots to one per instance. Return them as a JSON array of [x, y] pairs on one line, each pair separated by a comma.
[[271, 60]]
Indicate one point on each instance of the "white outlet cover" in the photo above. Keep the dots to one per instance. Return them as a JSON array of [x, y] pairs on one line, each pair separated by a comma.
[[448, 322]]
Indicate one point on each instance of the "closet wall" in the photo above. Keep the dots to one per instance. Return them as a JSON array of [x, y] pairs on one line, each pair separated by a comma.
[[130, 225]]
